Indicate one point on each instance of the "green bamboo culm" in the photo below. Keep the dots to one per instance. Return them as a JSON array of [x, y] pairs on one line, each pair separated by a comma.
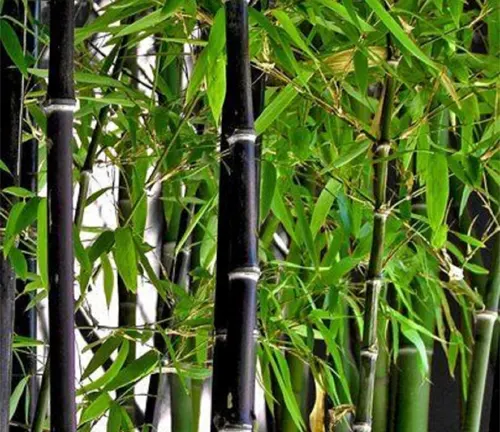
[[369, 349], [484, 329]]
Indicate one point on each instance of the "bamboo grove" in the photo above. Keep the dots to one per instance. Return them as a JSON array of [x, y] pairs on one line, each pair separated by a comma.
[[272, 215]]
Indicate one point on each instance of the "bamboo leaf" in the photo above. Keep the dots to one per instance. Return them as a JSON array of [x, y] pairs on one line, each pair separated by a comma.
[[125, 257], [268, 187], [102, 354], [4, 167], [114, 419], [19, 263], [97, 408], [139, 368], [16, 395], [194, 222], [437, 191], [41, 244], [292, 31], [12, 46], [111, 373], [416, 339], [18, 192], [323, 205], [304, 226], [216, 87], [396, 30], [109, 278]]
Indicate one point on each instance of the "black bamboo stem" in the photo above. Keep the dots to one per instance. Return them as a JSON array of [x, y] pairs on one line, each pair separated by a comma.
[[25, 319], [11, 106], [369, 350], [237, 271], [59, 110]]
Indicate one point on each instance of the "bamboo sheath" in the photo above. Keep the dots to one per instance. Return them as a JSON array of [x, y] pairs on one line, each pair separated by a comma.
[[11, 91], [59, 110], [237, 262], [369, 351]]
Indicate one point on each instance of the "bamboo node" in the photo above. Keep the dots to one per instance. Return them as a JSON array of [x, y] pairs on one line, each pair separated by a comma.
[[59, 105], [456, 274], [487, 315], [372, 353], [362, 427], [252, 273], [383, 147], [241, 135], [382, 213], [375, 282]]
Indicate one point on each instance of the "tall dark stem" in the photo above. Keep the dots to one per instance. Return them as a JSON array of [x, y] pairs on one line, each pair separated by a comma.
[[10, 96], [237, 261], [369, 350], [25, 319], [59, 110]]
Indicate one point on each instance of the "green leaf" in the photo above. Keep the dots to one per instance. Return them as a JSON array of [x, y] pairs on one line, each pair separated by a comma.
[[102, 245], [194, 222], [396, 30], [216, 87], [97, 408], [11, 44], [199, 71], [139, 368], [268, 178], [41, 244], [275, 108], [437, 191], [125, 257], [109, 278], [4, 167], [292, 31], [114, 419], [150, 20], [28, 215], [19, 263], [304, 226], [103, 353], [80, 253], [361, 71], [323, 205], [416, 339], [111, 373], [18, 192], [15, 397]]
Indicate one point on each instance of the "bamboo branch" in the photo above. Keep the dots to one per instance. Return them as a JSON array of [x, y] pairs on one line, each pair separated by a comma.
[[374, 281]]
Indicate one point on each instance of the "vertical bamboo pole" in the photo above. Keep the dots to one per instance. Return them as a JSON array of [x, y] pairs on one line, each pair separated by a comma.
[[59, 110], [11, 94], [369, 350], [485, 325], [25, 320], [237, 271]]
